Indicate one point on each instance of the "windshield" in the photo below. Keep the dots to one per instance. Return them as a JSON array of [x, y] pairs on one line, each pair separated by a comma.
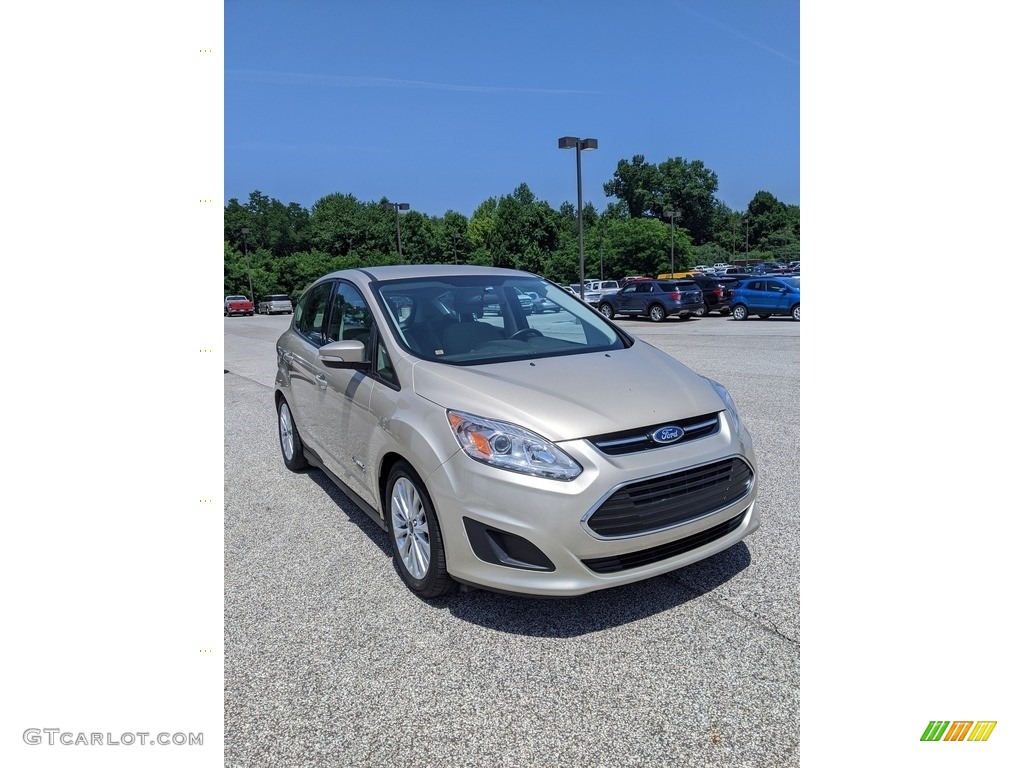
[[470, 319]]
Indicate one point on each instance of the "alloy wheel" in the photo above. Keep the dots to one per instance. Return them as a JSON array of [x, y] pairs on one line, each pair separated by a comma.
[[409, 526]]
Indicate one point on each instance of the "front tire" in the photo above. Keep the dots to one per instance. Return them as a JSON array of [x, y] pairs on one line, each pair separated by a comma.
[[607, 310], [796, 313], [288, 437], [702, 311], [656, 313], [739, 312], [415, 534]]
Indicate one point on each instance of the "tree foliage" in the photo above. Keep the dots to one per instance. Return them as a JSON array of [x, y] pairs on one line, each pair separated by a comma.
[[286, 246]]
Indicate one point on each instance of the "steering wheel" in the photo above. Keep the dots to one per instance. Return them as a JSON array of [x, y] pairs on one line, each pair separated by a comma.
[[525, 334]]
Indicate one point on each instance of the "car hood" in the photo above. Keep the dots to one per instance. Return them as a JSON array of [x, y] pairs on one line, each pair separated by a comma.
[[575, 396]]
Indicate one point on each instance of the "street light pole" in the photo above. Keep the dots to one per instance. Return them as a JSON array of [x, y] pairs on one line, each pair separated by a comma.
[[398, 229], [672, 216], [572, 142], [455, 245], [248, 269]]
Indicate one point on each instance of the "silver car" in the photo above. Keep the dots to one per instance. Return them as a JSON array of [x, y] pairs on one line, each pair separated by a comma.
[[545, 454], [274, 304]]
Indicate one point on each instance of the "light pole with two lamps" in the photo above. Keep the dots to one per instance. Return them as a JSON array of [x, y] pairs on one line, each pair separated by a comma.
[[572, 142]]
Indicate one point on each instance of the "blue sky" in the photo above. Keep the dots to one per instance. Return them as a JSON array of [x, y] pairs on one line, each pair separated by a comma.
[[444, 104]]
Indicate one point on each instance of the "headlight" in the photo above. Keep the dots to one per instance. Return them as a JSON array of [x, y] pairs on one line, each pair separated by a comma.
[[507, 446], [730, 406]]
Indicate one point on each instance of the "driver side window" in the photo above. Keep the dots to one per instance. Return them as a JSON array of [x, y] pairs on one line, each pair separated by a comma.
[[350, 318], [311, 314]]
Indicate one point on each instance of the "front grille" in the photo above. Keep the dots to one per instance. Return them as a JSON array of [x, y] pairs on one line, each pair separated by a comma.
[[662, 502], [665, 551], [640, 439]]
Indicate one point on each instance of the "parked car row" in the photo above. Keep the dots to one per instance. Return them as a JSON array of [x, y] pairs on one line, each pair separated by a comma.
[[700, 295], [767, 267], [272, 304], [697, 296]]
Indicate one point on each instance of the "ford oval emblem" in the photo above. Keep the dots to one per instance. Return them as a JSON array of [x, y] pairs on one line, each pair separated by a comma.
[[666, 435]]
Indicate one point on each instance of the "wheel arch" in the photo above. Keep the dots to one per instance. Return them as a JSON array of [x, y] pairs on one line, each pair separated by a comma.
[[386, 465]]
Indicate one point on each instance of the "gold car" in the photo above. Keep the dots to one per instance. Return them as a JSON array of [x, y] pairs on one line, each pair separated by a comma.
[[546, 454]]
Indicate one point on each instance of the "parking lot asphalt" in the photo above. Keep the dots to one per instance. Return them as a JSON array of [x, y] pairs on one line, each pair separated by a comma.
[[331, 661]]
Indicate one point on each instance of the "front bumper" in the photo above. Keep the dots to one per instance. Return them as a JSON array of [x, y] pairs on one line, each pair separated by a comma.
[[515, 533]]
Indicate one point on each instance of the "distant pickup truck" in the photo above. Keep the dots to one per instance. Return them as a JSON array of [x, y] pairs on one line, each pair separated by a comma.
[[238, 305], [598, 289]]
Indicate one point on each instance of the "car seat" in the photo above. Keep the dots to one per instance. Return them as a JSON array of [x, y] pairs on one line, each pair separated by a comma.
[[468, 334]]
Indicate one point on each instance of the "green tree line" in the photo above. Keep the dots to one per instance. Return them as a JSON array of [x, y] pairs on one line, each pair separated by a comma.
[[285, 247]]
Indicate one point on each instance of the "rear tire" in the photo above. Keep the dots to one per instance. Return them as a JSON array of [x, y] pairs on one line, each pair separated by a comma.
[[415, 534], [702, 311]]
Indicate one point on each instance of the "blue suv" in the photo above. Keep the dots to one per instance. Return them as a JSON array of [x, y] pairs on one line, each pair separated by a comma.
[[766, 296], [656, 299]]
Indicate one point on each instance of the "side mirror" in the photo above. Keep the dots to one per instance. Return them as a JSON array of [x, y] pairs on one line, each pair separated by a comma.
[[346, 354]]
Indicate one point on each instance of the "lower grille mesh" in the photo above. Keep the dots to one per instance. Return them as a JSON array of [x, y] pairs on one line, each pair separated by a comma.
[[665, 551]]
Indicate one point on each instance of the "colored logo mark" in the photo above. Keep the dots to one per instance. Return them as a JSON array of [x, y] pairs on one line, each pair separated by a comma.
[[667, 434], [958, 730]]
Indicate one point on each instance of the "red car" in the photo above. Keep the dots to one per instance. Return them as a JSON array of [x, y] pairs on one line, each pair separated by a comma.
[[238, 305]]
